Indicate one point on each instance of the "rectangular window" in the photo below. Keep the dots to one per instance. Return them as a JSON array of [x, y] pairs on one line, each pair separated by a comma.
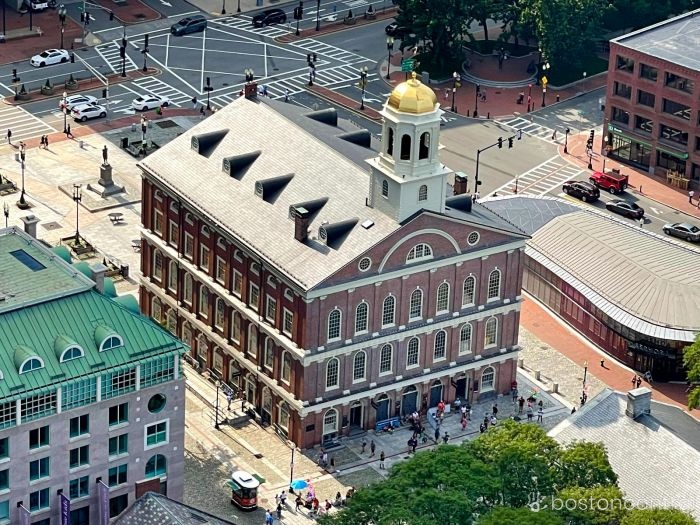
[[4, 510], [237, 283], [35, 407], [173, 233], [79, 456], [4, 448], [664, 160], [204, 258], [288, 322], [622, 90], [118, 414], [189, 246], [79, 394], [624, 64], [157, 371], [119, 445], [158, 221], [648, 72], [4, 479], [253, 296], [39, 500], [39, 437], [673, 134], [8, 414], [220, 270], [39, 468], [678, 82], [117, 505], [643, 124], [620, 115], [117, 475], [79, 425], [645, 98], [157, 434], [118, 383], [270, 309], [676, 109], [79, 487]]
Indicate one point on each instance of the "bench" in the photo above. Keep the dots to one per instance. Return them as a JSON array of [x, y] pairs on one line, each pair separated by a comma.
[[116, 217], [394, 422]]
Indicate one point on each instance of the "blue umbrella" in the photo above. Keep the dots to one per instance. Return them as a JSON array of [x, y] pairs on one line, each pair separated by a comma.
[[298, 484]]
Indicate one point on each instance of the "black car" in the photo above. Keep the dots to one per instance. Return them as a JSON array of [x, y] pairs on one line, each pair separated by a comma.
[[394, 30], [271, 16], [626, 208], [191, 24], [583, 190]]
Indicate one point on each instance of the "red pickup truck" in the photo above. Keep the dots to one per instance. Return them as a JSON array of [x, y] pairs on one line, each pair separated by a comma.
[[613, 181]]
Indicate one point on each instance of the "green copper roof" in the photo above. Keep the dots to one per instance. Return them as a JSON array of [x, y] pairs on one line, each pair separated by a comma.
[[21, 354], [63, 253], [110, 289]]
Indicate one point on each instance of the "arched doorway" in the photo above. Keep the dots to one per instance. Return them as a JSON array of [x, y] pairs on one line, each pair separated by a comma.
[[409, 400], [266, 412], [382, 406], [461, 385], [435, 393], [251, 390], [330, 427], [356, 416]]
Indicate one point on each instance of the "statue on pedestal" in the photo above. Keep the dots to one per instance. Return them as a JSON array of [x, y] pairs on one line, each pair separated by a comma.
[[104, 156]]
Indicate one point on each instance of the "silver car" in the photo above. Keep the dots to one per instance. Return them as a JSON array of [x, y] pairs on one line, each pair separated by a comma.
[[683, 230]]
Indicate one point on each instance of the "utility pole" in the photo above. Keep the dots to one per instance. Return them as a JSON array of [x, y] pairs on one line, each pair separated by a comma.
[[318, 15], [499, 143]]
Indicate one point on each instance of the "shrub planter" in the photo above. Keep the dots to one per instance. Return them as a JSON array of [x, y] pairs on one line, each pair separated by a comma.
[[47, 88]]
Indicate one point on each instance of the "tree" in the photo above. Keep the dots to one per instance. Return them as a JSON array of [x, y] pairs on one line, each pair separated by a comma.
[[482, 10], [519, 516], [691, 360], [590, 506], [585, 464], [658, 517]]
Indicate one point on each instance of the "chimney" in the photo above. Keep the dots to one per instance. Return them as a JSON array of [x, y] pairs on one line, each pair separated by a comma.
[[30, 222], [98, 275], [638, 402], [460, 186], [250, 90], [302, 219]]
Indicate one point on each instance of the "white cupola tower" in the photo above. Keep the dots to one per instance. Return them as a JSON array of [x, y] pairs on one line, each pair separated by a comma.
[[407, 176]]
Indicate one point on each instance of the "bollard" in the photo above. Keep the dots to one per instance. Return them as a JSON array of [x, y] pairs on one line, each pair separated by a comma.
[[537, 375], [488, 115], [521, 363], [81, 144], [150, 124], [555, 388]]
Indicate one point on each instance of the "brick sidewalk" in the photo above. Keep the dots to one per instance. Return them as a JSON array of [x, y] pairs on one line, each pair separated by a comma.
[[334, 27], [24, 48], [130, 11]]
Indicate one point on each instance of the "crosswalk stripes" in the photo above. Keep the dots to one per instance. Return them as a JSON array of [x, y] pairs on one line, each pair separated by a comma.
[[311, 45], [530, 128], [155, 86], [339, 75], [110, 54], [23, 124], [355, 3], [542, 179], [244, 23]]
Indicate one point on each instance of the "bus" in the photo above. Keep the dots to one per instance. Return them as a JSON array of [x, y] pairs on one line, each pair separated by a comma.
[[244, 490]]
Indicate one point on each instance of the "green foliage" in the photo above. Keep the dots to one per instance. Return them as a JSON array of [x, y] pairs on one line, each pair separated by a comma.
[[658, 517], [585, 465], [691, 360], [635, 14], [519, 516], [594, 506]]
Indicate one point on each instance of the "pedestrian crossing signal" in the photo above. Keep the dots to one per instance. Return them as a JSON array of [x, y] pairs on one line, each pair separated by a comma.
[[111, 15], [510, 142], [500, 142]]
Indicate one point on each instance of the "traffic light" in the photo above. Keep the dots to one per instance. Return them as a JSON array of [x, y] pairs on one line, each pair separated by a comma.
[[589, 142], [314, 57], [123, 41], [308, 58], [111, 15], [510, 142], [72, 58], [14, 73], [478, 88], [104, 94], [145, 41], [87, 18], [500, 142]]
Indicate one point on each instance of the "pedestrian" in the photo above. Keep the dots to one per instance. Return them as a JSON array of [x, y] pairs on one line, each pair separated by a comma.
[[691, 193], [382, 456], [437, 434], [68, 133], [639, 381], [482, 428], [641, 225], [521, 404], [540, 413], [447, 93], [286, 95], [573, 410], [463, 410], [202, 111], [229, 398], [602, 363], [445, 438], [529, 413], [324, 459], [514, 394], [464, 424], [298, 503], [159, 110], [364, 445], [495, 409], [279, 511], [486, 421], [194, 102], [46, 142], [414, 444], [268, 517], [9, 136], [634, 380], [372, 447], [554, 135]]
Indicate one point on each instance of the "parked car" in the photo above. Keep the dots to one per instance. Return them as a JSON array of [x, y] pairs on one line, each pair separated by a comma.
[[191, 24], [50, 56], [144, 102], [581, 189], [38, 5], [88, 111], [626, 208], [76, 100], [271, 16], [612, 181], [394, 30], [683, 230]]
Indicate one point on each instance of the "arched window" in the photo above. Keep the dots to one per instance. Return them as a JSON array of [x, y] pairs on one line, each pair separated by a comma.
[[220, 313], [156, 309], [269, 352], [490, 332], [494, 290], [415, 310], [424, 147], [283, 415], [423, 193], [202, 347], [252, 339], [358, 366], [286, 367], [465, 339], [412, 352], [113, 341], [72, 352], [440, 345], [31, 363], [172, 275], [203, 301], [236, 327], [156, 466], [390, 142], [334, 325], [385, 188], [442, 304], [419, 252], [385, 358], [171, 322], [488, 378], [406, 147], [187, 289], [333, 373], [468, 291], [187, 334], [388, 311], [330, 421], [361, 318], [157, 265]]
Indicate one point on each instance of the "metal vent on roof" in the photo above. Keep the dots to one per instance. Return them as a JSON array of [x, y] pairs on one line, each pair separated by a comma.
[[269, 189], [333, 234], [361, 137], [206, 143], [367, 224], [312, 207], [461, 202], [237, 165], [326, 116]]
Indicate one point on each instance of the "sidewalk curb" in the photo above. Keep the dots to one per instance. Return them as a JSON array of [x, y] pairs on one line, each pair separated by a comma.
[[335, 27], [319, 92]]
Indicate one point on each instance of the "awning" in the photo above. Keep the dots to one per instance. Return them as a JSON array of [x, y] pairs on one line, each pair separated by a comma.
[[678, 155]]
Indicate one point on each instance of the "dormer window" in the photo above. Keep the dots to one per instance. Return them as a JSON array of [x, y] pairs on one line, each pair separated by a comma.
[[112, 341], [30, 364], [419, 252], [72, 352]]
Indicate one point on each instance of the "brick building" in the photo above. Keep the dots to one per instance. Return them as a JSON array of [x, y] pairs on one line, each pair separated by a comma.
[[652, 106], [328, 306]]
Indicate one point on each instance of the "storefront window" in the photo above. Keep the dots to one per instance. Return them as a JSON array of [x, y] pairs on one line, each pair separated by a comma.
[[664, 160], [630, 151]]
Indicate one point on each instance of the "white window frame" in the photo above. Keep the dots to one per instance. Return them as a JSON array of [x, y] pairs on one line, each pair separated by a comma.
[[472, 279], [423, 193], [158, 273], [204, 251], [408, 353], [220, 271], [336, 384], [327, 428], [383, 361], [173, 236], [385, 317], [444, 299], [332, 327], [362, 321], [219, 325], [158, 215], [415, 308], [236, 325], [465, 349], [190, 238], [359, 367], [187, 297], [167, 434], [253, 305], [252, 349], [269, 352], [203, 292], [172, 275], [237, 283], [491, 321], [420, 252], [492, 373], [287, 322], [490, 295], [440, 334], [271, 302], [286, 358]]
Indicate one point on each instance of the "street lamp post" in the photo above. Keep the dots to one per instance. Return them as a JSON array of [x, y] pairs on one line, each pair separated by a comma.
[[145, 52], [318, 15], [545, 67], [77, 197], [6, 212], [22, 204], [455, 85], [62, 18], [390, 47], [223, 8], [476, 101], [216, 413], [122, 52], [566, 140], [65, 113], [590, 159], [363, 84], [585, 372], [529, 96]]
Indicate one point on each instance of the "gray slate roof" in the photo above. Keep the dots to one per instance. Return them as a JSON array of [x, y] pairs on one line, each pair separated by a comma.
[[652, 463], [319, 171], [674, 40], [155, 509]]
